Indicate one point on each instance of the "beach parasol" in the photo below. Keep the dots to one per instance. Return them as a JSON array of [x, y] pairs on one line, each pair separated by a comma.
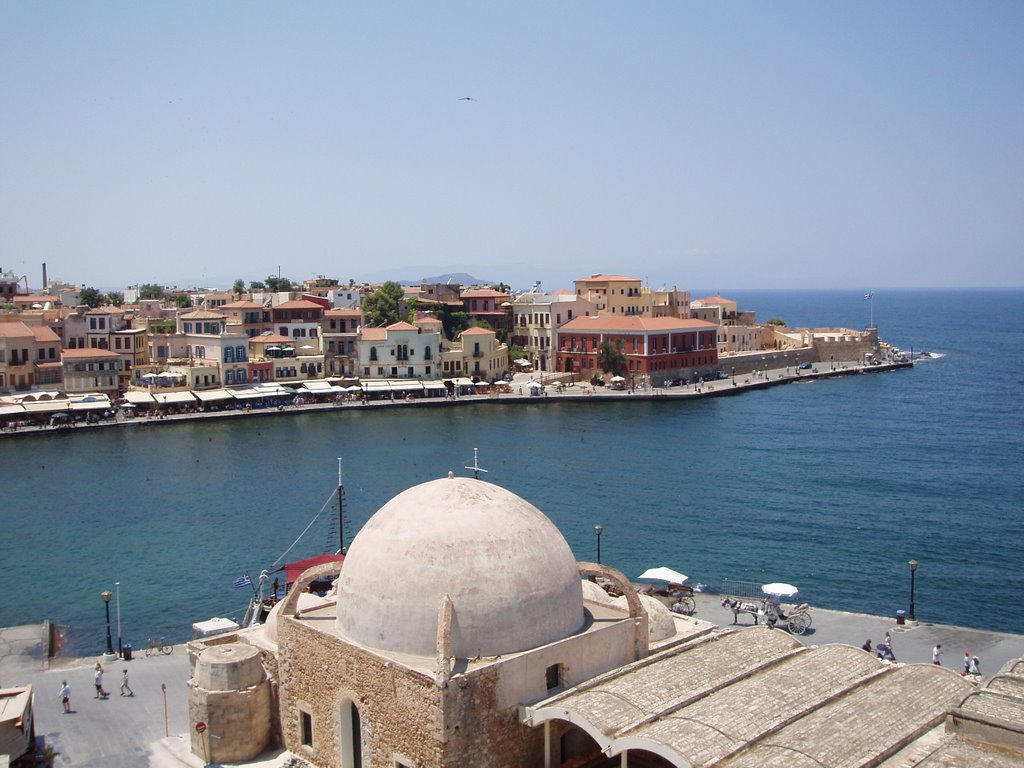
[[663, 574], [780, 589]]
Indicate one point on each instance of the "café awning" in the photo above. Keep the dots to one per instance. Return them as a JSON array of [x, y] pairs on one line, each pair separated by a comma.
[[212, 395]]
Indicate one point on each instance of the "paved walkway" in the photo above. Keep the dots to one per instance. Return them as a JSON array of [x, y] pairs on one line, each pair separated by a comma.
[[129, 732]]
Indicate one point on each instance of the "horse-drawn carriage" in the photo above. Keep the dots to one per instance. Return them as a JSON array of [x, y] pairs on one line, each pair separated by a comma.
[[770, 610], [677, 596]]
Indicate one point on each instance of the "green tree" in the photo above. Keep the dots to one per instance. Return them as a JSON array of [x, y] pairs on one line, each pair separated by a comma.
[[115, 299], [238, 288], [515, 352], [381, 306], [776, 321], [90, 297], [503, 287], [276, 284], [257, 285], [610, 357], [151, 291], [183, 301]]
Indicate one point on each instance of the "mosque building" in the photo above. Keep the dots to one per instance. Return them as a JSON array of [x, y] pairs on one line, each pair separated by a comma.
[[463, 632]]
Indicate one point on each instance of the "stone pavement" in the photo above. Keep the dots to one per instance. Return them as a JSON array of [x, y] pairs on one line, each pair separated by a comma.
[[128, 732], [912, 643]]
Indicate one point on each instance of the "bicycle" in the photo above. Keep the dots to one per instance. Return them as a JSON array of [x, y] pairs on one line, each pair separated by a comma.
[[158, 645]]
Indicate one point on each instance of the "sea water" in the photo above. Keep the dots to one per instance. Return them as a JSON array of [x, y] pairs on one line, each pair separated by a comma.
[[832, 485]]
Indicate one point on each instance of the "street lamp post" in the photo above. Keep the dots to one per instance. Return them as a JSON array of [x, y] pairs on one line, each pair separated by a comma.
[[106, 595], [598, 529], [734, 375], [913, 569], [117, 600]]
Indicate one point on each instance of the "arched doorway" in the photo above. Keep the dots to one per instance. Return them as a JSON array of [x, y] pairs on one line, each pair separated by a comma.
[[350, 735]]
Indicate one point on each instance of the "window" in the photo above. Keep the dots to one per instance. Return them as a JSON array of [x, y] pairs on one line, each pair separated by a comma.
[[307, 728], [553, 676]]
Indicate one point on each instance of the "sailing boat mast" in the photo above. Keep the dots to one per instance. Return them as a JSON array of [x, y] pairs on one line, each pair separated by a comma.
[[476, 468], [341, 511]]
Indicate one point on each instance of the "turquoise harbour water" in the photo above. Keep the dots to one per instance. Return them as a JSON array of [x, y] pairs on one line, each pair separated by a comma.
[[832, 485]]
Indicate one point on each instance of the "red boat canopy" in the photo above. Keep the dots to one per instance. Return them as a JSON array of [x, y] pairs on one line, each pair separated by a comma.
[[292, 571]]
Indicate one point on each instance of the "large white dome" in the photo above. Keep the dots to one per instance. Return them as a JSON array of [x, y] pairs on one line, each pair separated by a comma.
[[511, 576]]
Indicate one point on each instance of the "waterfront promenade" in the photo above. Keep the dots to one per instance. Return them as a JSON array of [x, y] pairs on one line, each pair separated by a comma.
[[128, 732], [576, 392]]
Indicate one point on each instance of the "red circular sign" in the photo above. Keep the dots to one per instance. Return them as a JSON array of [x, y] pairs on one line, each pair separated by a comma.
[[200, 727]]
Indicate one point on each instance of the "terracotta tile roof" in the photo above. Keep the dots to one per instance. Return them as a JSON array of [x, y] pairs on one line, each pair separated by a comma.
[[375, 334], [607, 278], [633, 324], [715, 300], [401, 325], [341, 312], [202, 314], [241, 305], [474, 331], [483, 293], [271, 338], [298, 304], [44, 333], [15, 330], [80, 354]]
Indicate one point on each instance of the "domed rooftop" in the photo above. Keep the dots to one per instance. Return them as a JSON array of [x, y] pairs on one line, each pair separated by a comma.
[[512, 579]]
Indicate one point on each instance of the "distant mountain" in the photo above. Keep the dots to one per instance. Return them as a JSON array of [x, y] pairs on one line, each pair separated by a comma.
[[460, 278]]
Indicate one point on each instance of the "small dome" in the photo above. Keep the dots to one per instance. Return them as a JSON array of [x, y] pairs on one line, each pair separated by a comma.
[[660, 624], [511, 576]]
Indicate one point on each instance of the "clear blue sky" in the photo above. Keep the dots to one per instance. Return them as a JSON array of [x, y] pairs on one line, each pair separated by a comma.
[[744, 145]]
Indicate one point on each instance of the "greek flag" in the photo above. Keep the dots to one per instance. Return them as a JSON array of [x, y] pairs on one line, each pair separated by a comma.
[[868, 296], [243, 581]]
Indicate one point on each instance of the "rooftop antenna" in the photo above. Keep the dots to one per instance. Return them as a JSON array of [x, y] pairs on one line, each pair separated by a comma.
[[476, 468]]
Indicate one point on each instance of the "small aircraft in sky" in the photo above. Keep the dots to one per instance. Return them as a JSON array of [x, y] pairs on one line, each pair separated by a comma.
[[467, 98]]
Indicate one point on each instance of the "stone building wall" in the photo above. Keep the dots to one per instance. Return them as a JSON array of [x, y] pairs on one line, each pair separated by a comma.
[[400, 709]]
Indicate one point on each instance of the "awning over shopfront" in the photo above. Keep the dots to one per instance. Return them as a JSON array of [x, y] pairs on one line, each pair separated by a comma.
[[212, 395], [136, 397], [9, 409], [91, 403], [318, 387], [174, 398], [46, 406]]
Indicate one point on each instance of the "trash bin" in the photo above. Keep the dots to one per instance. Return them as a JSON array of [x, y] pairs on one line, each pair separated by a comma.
[[901, 617], [126, 651]]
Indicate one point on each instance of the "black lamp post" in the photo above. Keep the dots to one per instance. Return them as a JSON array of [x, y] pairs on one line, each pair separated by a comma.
[[734, 375], [106, 595], [598, 529], [913, 568]]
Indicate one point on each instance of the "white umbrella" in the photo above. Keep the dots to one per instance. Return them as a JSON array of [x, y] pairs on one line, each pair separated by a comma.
[[780, 589], [354, 388], [149, 376], [307, 346], [618, 378], [168, 375], [663, 574], [535, 385]]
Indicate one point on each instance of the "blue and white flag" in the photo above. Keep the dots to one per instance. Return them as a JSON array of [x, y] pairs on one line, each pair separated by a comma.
[[868, 296], [243, 581]]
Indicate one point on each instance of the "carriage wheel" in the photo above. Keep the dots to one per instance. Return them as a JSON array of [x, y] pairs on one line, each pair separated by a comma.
[[689, 605], [799, 623]]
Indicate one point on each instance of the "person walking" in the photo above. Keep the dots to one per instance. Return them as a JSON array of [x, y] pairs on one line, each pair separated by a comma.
[[937, 655], [65, 696], [98, 680], [967, 662], [888, 639], [124, 684]]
